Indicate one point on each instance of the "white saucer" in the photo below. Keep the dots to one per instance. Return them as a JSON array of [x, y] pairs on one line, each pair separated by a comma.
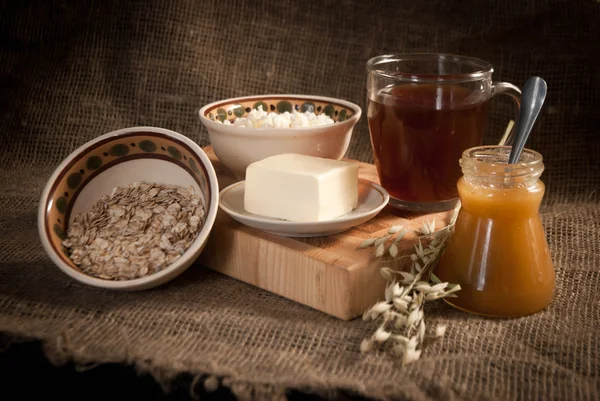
[[372, 198]]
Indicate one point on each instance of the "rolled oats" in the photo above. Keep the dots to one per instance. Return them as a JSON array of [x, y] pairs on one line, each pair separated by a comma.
[[136, 231]]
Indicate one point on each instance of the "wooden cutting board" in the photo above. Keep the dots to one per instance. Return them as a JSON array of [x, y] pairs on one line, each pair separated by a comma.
[[325, 273]]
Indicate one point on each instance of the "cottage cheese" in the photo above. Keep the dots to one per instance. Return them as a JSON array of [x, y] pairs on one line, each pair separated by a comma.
[[258, 118]]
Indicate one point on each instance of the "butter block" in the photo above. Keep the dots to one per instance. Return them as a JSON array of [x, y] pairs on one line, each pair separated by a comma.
[[301, 188]]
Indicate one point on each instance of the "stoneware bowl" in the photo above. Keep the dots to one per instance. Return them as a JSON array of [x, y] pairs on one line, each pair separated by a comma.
[[237, 147], [118, 159]]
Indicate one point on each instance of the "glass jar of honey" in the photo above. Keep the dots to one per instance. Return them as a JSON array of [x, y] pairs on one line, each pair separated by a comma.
[[499, 253]]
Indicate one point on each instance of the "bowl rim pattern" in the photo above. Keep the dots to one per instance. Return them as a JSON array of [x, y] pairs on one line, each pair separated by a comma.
[[277, 132]]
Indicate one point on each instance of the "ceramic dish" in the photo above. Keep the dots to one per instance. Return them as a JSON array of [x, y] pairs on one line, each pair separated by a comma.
[[237, 147], [372, 198], [118, 159]]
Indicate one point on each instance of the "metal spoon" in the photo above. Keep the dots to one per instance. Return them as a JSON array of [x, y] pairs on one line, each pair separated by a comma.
[[532, 98]]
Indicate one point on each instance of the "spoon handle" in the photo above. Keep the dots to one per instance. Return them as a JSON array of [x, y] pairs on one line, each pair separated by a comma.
[[532, 98]]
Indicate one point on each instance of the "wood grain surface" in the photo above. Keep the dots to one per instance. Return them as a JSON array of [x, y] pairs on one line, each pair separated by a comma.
[[325, 273]]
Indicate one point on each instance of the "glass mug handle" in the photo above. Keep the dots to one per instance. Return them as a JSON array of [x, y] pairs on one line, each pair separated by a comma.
[[505, 88]]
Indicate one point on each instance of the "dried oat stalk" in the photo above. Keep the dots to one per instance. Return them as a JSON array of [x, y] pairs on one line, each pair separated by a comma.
[[401, 315], [135, 231]]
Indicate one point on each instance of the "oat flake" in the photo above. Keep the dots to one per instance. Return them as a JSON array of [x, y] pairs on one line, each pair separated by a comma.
[[136, 231]]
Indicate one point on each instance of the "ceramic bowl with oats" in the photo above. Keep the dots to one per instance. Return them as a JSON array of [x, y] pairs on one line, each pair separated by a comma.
[[243, 130], [129, 210]]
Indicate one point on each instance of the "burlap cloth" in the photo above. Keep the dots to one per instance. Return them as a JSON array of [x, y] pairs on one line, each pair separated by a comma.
[[73, 70]]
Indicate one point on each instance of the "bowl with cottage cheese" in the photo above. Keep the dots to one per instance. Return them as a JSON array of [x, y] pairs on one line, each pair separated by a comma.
[[248, 129]]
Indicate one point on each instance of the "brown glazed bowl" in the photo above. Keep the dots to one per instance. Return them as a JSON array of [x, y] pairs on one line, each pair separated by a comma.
[[119, 158], [237, 147]]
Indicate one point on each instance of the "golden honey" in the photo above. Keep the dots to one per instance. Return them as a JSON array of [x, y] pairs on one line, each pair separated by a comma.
[[499, 253]]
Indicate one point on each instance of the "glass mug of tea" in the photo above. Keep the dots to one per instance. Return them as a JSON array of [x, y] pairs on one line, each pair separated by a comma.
[[424, 110]]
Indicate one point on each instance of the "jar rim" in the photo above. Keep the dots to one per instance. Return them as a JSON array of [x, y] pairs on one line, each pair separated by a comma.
[[533, 156], [488, 166]]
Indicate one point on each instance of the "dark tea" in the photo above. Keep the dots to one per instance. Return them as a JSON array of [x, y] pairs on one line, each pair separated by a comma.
[[418, 133]]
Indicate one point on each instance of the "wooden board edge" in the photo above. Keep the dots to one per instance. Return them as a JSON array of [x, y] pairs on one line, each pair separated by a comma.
[[255, 262]]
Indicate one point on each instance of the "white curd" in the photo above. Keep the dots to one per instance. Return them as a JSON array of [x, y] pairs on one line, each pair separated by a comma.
[[258, 118]]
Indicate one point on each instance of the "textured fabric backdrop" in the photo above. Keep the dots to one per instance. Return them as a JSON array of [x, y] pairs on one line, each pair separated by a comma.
[[72, 70]]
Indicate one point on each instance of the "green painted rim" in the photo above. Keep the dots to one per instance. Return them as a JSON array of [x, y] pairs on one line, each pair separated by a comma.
[[93, 162], [119, 150], [147, 146], [284, 106]]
